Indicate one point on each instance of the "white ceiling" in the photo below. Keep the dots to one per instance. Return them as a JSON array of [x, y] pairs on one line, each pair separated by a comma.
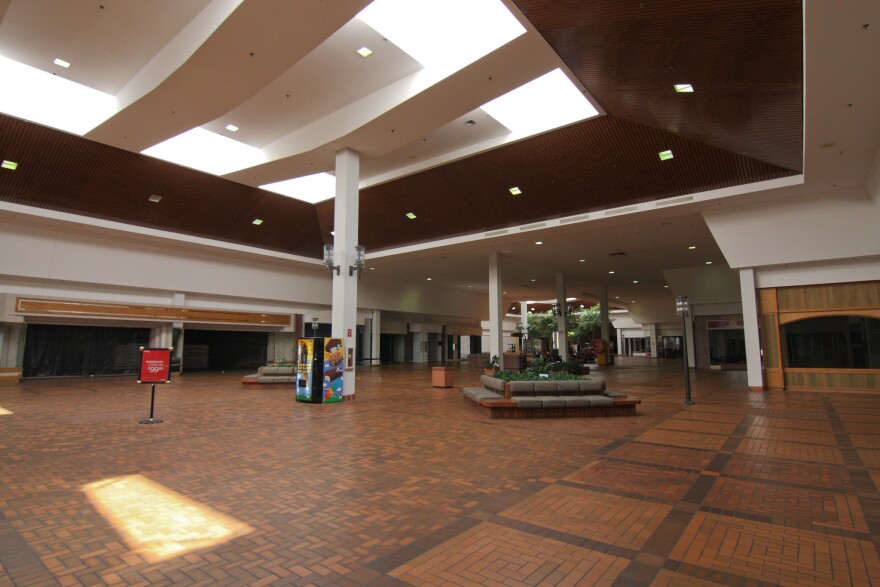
[[257, 64]]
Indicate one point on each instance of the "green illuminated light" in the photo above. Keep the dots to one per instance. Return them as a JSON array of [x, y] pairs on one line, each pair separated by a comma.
[[684, 88], [664, 155], [10, 165], [515, 191], [364, 52], [257, 221], [410, 215]]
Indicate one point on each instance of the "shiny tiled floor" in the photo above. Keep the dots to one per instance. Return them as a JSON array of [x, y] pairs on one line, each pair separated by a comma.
[[412, 485]]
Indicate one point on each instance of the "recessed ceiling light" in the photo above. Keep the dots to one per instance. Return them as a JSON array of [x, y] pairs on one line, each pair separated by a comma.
[[515, 191], [364, 52], [616, 297], [635, 280], [665, 287], [332, 233], [539, 242], [470, 286], [683, 88], [611, 273], [708, 262], [582, 260], [664, 155], [61, 63], [410, 215], [10, 165], [429, 279], [372, 268], [231, 128], [155, 199], [257, 221], [470, 123], [582, 305], [692, 247], [534, 280], [632, 301]]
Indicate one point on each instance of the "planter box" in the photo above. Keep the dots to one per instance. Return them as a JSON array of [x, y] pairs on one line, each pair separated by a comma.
[[442, 377]]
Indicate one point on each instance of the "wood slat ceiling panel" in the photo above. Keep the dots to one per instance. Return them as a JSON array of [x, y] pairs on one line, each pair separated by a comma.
[[66, 173], [744, 58], [601, 163]]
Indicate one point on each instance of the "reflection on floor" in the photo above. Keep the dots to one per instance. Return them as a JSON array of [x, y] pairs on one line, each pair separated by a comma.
[[412, 485]]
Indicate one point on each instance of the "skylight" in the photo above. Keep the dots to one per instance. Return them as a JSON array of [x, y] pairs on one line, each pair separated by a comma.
[[445, 35], [51, 100], [543, 104], [207, 151], [310, 188]]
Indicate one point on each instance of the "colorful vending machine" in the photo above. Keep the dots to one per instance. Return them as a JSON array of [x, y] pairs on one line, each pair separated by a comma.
[[320, 363]]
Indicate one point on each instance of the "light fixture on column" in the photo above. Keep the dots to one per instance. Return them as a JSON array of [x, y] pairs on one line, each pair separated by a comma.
[[360, 258], [328, 259], [314, 326], [683, 309]]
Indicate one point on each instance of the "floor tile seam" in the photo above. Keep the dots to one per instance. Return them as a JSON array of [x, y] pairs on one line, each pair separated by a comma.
[[617, 492], [423, 544], [561, 536], [815, 526], [789, 484], [730, 578], [657, 466]]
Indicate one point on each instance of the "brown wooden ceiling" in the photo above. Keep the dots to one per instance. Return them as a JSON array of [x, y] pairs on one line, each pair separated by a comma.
[[743, 124]]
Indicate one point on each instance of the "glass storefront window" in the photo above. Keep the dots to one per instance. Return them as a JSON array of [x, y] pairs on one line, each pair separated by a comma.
[[832, 342]]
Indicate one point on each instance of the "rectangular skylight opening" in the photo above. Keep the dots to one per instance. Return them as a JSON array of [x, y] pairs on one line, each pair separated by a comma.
[[309, 188], [207, 151], [543, 104], [445, 35], [12, 165], [51, 100]]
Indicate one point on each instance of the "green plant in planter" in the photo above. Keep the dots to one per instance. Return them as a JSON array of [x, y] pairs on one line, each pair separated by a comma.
[[492, 363]]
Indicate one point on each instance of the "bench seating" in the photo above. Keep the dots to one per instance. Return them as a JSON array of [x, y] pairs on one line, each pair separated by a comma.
[[270, 377], [548, 399]]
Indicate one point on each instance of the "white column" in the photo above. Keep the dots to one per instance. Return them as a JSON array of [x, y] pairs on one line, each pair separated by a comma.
[[562, 325], [750, 327], [603, 321], [161, 336], [652, 336], [496, 314], [345, 224], [376, 340]]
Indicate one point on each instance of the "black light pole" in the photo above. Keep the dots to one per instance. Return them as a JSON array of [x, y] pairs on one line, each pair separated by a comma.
[[682, 309]]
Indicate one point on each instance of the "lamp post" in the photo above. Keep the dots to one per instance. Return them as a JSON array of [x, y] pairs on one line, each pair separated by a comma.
[[314, 326], [682, 309]]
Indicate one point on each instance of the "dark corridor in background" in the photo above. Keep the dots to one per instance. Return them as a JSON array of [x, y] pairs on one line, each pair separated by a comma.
[[222, 350], [832, 342], [69, 351]]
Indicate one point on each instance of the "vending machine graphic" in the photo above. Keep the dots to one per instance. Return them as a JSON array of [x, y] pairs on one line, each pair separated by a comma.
[[320, 363]]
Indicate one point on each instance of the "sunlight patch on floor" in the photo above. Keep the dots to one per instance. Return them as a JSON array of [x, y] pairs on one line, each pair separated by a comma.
[[159, 523]]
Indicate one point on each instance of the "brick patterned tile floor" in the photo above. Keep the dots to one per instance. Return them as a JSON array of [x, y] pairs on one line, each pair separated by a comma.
[[413, 485]]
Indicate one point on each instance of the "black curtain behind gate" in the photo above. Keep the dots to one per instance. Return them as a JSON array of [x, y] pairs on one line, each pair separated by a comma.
[[57, 351], [221, 350]]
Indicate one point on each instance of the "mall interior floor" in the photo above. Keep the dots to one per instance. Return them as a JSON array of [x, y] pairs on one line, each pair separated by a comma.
[[411, 484]]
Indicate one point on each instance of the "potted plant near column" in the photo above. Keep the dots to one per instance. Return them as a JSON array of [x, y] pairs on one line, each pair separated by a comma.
[[491, 366]]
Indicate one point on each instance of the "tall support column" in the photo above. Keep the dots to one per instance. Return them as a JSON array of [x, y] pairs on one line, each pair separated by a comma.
[[604, 325], [496, 309], [562, 324], [376, 339], [345, 224], [750, 328], [524, 320]]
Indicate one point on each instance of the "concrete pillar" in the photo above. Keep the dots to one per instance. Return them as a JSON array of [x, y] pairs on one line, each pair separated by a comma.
[[345, 224], [496, 309], [376, 350], [604, 325], [11, 351], [562, 324], [161, 336], [750, 328], [652, 337]]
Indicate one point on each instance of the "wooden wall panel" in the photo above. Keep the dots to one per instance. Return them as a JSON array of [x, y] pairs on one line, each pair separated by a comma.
[[823, 379], [838, 296]]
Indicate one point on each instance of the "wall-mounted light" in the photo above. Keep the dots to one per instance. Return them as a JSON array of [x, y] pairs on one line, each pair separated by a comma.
[[328, 259], [360, 258]]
